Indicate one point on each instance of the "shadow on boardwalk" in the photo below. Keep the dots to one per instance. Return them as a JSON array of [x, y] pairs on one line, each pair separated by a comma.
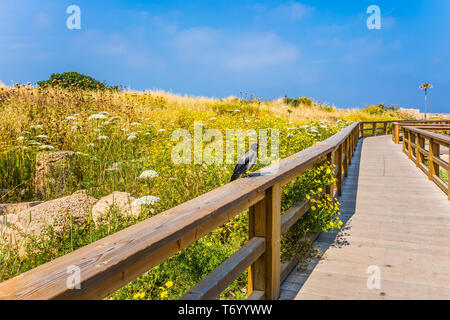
[[396, 221], [293, 284]]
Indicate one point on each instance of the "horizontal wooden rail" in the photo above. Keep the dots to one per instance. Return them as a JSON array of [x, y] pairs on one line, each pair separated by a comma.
[[110, 263], [414, 142], [398, 125], [218, 280]]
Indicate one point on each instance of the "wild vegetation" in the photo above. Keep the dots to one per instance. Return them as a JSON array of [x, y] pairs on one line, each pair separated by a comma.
[[118, 135]]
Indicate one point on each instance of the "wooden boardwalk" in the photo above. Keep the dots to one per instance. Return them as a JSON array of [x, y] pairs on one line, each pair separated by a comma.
[[396, 221]]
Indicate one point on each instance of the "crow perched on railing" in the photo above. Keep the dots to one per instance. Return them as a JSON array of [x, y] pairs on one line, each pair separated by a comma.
[[246, 163]]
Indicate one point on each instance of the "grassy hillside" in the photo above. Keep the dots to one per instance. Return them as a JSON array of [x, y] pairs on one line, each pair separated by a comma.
[[118, 135]]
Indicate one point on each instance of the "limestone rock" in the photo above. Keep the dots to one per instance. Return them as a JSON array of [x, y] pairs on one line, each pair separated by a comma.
[[14, 208], [120, 201], [58, 212], [53, 172]]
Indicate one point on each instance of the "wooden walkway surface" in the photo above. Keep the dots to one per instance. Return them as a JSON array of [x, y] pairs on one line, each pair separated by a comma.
[[396, 224]]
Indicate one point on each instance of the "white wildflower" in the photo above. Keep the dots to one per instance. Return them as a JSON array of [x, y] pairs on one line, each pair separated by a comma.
[[34, 143], [131, 137], [147, 200], [148, 174], [42, 136], [70, 118], [102, 137], [99, 116], [46, 147]]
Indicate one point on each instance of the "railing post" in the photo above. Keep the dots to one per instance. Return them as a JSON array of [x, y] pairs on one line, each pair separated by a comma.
[[404, 143], [349, 149], [330, 188], [396, 133], [409, 143], [273, 242], [420, 146], [338, 163], [375, 129], [345, 151], [434, 151], [265, 221], [417, 150], [361, 129], [385, 128]]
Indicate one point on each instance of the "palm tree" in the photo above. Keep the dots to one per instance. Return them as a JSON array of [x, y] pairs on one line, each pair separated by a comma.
[[425, 86]]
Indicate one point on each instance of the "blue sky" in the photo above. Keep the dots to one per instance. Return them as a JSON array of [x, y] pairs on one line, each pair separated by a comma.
[[316, 48]]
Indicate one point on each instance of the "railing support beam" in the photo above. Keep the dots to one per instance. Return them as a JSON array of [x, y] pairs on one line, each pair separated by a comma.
[[265, 221]]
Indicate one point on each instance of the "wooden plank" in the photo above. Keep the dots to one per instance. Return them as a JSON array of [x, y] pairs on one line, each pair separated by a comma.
[[256, 295], [293, 214], [257, 228], [218, 280], [440, 162], [273, 242]]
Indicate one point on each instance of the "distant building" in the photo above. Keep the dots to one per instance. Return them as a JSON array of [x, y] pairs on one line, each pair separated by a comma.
[[411, 112], [419, 115]]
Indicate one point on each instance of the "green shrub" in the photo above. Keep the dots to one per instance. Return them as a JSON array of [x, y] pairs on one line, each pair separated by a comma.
[[374, 110], [74, 80], [299, 101]]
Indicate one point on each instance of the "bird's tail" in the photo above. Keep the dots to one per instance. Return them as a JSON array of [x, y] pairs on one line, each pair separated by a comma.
[[235, 176]]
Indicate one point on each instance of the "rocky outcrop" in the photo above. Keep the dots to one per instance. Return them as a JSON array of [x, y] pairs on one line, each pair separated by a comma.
[[53, 173], [14, 208], [120, 202], [21, 222], [31, 222]]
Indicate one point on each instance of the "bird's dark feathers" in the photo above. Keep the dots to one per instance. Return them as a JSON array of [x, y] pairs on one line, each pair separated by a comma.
[[245, 163]]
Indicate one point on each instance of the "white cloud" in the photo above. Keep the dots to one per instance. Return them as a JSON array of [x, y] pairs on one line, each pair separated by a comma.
[[289, 11], [294, 11], [236, 52], [130, 52]]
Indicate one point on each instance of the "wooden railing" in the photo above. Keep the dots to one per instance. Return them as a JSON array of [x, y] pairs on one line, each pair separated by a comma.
[[373, 127], [112, 262], [414, 145], [398, 126]]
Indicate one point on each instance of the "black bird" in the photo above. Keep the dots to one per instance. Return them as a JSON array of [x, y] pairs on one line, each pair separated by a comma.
[[246, 163]]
